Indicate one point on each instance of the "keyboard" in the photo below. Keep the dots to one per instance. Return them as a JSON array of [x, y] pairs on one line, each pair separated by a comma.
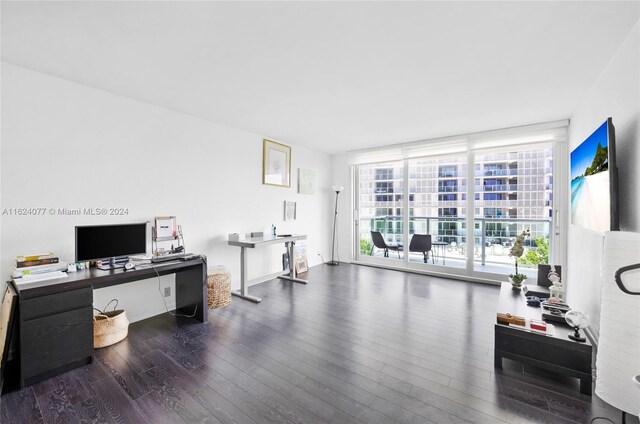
[[167, 257]]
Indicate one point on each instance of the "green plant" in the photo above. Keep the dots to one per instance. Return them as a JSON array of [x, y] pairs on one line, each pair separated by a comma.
[[538, 256], [517, 279], [365, 246]]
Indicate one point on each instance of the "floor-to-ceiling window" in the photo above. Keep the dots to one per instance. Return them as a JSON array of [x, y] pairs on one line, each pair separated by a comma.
[[513, 193], [466, 202]]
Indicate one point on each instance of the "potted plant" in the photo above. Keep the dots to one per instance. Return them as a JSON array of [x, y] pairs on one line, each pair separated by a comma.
[[517, 250]]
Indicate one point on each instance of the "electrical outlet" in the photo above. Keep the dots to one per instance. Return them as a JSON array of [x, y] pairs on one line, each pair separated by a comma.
[[167, 291]]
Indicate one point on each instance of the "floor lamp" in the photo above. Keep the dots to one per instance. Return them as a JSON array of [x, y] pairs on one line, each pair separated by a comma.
[[337, 189]]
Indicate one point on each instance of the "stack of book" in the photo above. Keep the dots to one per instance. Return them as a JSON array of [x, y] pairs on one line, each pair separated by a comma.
[[45, 266]]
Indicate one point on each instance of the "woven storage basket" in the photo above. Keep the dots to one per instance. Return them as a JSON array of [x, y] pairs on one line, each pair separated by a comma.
[[218, 287], [109, 328]]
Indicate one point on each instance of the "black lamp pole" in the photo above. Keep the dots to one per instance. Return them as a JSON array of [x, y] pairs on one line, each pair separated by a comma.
[[335, 218]]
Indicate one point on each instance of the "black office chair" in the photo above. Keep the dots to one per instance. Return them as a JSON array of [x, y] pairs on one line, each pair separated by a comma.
[[380, 243], [421, 243]]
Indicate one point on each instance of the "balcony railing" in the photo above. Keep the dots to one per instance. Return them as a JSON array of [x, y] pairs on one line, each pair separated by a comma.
[[498, 172], [495, 233], [497, 187]]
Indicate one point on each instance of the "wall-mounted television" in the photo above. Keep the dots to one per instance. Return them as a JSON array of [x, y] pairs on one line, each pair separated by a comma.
[[594, 181], [113, 242]]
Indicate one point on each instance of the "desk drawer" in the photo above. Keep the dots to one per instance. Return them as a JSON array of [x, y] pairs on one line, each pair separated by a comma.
[[51, 304], [54, 341]]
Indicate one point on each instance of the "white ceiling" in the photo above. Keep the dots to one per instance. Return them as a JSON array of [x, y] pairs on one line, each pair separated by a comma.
[[331, 76]]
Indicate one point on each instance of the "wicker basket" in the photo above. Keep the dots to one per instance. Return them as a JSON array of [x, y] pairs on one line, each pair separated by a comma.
[[109, 327], [218, 287]]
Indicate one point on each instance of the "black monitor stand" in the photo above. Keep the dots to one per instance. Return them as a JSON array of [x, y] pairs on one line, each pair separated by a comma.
[[112, 264]]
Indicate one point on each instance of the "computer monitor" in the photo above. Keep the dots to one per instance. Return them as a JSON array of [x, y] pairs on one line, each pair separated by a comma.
[[112, 242]]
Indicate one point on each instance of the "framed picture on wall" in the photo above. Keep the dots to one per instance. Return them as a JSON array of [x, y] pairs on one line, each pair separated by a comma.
[[306, 181], [289, 211], [276, 164]]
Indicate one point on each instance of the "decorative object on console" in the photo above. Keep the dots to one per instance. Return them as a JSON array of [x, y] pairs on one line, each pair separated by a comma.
[[517, 250], [276, 164], [538, 325], [577, 320], [306, 181], [557, 289], [555, 315], [538, 291], [333, 261], [619, 336], [545, 271], [510, 319], [533, 301], [289, 211]]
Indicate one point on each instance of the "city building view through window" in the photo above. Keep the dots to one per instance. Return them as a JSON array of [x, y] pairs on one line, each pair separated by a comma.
[[512, 191]]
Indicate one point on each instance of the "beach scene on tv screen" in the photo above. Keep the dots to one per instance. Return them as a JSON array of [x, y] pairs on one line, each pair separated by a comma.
[[590, 182]]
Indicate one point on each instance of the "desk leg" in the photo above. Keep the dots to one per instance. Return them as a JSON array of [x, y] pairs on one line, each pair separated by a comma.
[[292, 269], [191, 292], [244, 290]]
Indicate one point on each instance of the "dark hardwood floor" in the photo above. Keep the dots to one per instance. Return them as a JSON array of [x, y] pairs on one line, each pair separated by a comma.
[[356, 345]]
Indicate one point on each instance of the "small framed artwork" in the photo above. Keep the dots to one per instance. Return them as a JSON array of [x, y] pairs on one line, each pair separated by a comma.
[[276, 164], [300, 258], [301, 266], [306, 181], [166, 226], [289, 211]]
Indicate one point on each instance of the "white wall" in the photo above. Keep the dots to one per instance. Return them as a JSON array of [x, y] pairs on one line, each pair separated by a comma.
[[615, 94], [66, 145]]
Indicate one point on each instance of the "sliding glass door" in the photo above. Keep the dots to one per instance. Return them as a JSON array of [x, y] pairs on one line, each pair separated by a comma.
[[380, 222], [437, 208]]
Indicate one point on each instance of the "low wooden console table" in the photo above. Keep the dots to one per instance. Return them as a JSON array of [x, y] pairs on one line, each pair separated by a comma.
[[55, 317], [251, 243], [554, 353]]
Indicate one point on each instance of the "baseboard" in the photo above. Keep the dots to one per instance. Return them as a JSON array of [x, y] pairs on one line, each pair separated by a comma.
[[432, 273]]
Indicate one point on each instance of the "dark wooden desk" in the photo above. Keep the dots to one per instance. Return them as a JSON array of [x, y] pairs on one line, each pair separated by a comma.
[[555, 353], [55, 317]]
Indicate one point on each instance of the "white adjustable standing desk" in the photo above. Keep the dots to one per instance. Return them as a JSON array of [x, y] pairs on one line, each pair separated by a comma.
[[252, 243]]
